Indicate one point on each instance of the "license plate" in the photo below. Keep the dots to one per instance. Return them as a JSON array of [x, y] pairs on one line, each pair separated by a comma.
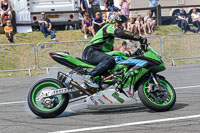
[[53, 16]]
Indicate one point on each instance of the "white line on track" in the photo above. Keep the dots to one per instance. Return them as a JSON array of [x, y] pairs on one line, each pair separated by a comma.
[[177, 88], [128, 124], [17, 102]]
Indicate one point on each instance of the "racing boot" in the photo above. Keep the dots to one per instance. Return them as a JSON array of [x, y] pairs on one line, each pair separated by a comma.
[[88, 80]]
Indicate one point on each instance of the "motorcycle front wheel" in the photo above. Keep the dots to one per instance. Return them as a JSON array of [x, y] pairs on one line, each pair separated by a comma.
[[48, 107], [156, 98]]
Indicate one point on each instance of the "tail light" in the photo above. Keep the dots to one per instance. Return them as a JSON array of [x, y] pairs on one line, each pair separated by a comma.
[[71, 16], [51, 55], [34, 18]]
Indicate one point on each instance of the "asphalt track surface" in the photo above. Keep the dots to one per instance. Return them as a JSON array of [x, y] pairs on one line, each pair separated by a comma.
[[183, 118]]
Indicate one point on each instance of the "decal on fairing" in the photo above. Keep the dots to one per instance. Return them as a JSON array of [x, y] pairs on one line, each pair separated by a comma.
[[130, 94], [100, 101], [93, 100], [107, 98], [119, 60], [116, 96]]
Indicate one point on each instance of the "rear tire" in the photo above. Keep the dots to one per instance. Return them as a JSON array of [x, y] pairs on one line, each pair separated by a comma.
[[35, 105], [149, 102]]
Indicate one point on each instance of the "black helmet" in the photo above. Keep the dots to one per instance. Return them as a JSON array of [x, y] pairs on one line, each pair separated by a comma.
[[121, 19]]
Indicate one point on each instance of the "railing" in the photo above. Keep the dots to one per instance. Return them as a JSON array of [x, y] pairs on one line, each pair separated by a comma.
[[25, 57], [181, 46], [17, 57]]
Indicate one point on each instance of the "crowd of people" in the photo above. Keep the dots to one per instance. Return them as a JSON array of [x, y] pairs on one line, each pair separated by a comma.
[[91, 24], [6, 18], [183, 20]]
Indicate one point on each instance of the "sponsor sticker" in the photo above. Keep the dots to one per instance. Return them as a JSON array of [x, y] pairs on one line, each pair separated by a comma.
[[100, 101], [116, 96], [93, 100], [130, 94], [107, 98]]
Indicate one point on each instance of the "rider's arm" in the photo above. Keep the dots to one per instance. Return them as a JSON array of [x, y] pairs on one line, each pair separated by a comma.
[[126, 35], [112, 30]]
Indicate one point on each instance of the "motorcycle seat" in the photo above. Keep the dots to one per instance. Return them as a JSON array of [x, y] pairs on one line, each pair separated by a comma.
[[83, 60]]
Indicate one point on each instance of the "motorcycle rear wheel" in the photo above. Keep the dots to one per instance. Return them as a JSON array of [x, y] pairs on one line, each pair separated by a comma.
[[148, 99], [58, 102]]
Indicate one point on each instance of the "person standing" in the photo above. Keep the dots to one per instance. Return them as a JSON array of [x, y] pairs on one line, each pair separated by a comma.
[[153, 4], [125, 5], [9, 30], [46, 26], [109, 5], [95, 7], [5, 8]]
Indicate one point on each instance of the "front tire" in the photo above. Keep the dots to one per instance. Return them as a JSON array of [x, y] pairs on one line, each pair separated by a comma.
[[148, 98], [58, 102]]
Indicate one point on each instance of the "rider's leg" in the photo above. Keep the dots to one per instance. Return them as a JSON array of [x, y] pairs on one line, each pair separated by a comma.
[[104, 62]]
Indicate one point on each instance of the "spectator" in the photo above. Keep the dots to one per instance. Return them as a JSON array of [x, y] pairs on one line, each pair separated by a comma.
[[196, 18], [87, 25], [94, 7], [46, 26], [98, 22], [5, 8], [125, 10], [132, 26], [9, 30], [182, 20], [83, 5], [153, 4], [124, 47], [149, 22], [140, 25], [109, 5]]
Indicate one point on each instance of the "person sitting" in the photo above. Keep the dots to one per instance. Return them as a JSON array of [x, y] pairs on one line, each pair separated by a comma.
[[5, 8], [132, 26], [87, 25], [149, 22], [46, 26], [109, 5], [140, 25], [182, 20], [9, 30], [103, 41], [196, 18], [124, 48], [98, 22]]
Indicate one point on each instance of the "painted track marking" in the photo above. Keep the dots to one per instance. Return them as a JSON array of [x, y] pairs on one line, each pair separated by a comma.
[[19, 102], [128, 124]]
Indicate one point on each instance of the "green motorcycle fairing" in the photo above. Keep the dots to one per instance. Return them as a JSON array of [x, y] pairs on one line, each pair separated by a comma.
[[150, 61]]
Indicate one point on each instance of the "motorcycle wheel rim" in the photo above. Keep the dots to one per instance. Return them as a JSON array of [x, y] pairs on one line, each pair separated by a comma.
[[169, 91], [39, 88]]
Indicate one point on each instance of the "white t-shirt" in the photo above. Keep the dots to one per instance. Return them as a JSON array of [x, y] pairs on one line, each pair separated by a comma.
[[196, 16], [150, 20]]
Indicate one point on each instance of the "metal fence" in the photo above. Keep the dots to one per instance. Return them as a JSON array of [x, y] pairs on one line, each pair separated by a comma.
[[22, 57], [17, 57], [44, 61], [154, 41], [75, 49], [181, 46]]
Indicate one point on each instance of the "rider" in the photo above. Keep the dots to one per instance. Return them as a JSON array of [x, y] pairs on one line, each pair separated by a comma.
[[103, 42]]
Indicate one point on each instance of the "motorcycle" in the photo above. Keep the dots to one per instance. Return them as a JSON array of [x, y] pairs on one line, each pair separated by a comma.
[[49, 97]]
